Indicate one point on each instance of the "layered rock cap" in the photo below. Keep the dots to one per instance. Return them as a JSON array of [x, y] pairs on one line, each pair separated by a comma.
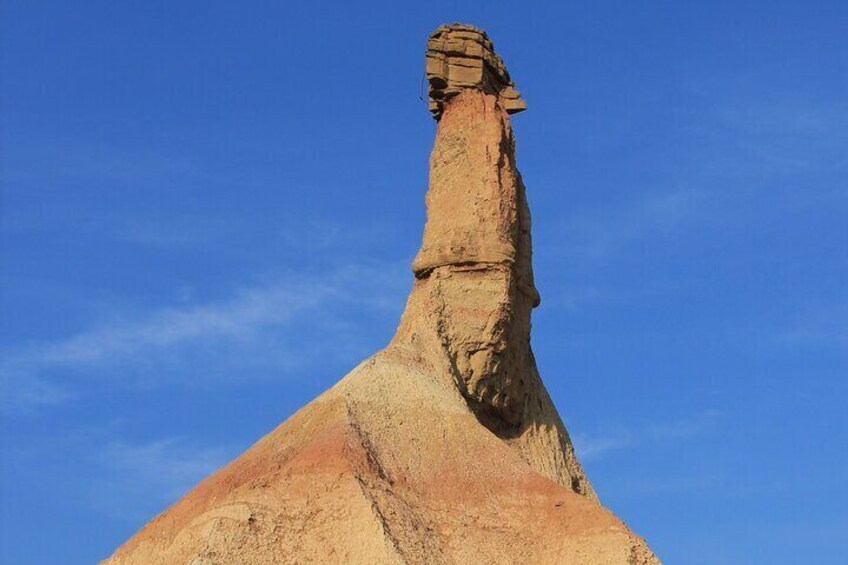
[[461, 56]]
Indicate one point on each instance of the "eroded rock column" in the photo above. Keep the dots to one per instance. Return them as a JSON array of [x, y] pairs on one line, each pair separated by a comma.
[[471, 304]]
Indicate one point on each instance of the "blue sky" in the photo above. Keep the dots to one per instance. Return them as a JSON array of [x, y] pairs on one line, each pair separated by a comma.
[[209, 210]]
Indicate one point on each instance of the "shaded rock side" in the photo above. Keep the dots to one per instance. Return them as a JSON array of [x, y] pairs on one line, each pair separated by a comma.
[[445, 446]]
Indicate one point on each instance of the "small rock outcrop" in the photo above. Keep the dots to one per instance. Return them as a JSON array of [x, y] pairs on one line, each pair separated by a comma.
[[445, 447]]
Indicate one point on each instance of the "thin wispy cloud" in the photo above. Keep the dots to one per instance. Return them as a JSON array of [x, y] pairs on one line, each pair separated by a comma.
[[779, 133], [162, 469], [594, 446], [267, 320], [729, 485], [575, 297], [237, 318], [658, 213], [72, 158], [668, 485], [127, 477], [814, 337], [716, 171], [818, 320]]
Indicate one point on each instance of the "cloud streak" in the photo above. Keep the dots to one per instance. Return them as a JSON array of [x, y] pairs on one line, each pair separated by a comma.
[[592, 447], [815, 337], [718, 167], [261, 318], [165, 468]]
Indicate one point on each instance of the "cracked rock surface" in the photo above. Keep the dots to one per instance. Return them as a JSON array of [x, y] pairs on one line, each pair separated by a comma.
[[443, 448]]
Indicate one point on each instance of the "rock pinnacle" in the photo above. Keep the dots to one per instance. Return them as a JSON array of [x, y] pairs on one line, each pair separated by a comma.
[[444, 447]]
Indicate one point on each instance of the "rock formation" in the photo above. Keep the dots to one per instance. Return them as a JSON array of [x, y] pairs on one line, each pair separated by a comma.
[[460, 57], [445, 446]]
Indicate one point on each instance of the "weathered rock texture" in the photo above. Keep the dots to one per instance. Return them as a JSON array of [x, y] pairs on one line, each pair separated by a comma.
[[460, 57], [442, 448]]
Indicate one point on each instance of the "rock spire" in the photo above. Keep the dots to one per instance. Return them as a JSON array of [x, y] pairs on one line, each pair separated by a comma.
[[444, 447]]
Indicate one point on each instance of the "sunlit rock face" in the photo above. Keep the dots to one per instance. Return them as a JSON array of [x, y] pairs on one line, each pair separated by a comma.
[[444, 447], [476, 248]]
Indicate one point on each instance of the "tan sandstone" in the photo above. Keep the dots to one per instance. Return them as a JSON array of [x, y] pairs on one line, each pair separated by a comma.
[[443, 448], [459, 57]]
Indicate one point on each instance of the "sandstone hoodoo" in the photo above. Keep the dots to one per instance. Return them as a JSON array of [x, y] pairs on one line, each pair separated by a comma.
[[444, 447]]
